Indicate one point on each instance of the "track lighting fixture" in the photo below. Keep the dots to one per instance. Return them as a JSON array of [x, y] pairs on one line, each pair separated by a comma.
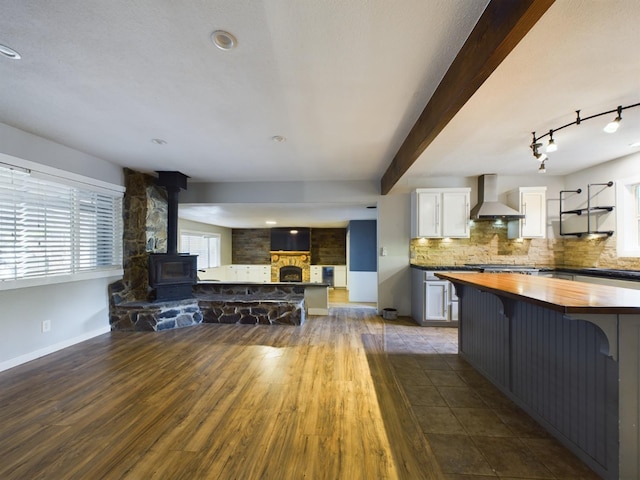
[[552, 146]]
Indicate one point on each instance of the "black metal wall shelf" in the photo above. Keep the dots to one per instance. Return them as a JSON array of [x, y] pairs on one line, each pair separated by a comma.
[[589, 211]]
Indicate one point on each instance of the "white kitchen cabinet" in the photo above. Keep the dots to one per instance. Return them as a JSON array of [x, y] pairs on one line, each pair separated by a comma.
[[340, 276], [438, 213], [316, 273], [436, 294], [453, 304], [433, 301], [261, 273], [532, 203], [249, 273]]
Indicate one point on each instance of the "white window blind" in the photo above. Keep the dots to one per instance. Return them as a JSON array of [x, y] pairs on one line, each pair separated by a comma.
[[50, 228], [206, 246]]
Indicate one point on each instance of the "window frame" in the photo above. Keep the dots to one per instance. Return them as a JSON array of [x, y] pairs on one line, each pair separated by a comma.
[[628, 217], [86, 203], [208, 235]]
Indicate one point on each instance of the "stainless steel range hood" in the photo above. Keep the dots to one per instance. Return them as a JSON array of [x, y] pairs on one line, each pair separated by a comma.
[[488, 207]]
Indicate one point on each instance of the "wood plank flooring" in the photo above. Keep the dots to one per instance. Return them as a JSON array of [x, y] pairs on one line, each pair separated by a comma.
[[346, 396], [215, 402]]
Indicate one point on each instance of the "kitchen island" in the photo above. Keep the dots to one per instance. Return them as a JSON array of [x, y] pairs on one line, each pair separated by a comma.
[[566, 352]]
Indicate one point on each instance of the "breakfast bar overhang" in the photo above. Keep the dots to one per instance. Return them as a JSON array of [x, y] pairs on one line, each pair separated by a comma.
[[566, 352]]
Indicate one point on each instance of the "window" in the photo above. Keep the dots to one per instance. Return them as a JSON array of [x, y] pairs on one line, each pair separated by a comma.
[[56, 227], [628, 217], [205, 245]]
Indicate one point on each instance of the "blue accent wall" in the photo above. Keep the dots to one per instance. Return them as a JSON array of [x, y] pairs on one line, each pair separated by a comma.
[[363, 246]]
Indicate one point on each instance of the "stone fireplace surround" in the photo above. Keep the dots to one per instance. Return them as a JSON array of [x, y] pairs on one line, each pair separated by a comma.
[[145, 232], [281, 259]]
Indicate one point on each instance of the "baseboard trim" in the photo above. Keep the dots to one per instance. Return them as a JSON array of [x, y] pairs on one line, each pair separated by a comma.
[[27, 357], [318, 311]]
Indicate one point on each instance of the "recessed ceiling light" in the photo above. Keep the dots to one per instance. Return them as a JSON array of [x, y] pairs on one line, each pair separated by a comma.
[[158, 141], [223, 40], [271, 222], [634, 144], [9, 52], [279, 138]]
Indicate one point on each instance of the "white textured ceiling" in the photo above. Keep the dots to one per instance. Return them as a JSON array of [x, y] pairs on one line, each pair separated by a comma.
[[342, 81]]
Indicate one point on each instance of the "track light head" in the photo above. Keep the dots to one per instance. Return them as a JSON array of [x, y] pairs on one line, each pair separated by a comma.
[[541, 157], [612, 127], [552, 146], [542, 168]]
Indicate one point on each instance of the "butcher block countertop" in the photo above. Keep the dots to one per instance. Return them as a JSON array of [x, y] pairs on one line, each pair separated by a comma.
[[564, 296]]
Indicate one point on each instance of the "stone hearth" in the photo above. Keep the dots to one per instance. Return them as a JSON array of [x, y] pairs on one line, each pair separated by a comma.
[[284, 259]]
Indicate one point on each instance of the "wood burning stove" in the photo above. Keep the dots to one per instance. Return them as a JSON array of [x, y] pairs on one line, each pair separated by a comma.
[[172, 274]]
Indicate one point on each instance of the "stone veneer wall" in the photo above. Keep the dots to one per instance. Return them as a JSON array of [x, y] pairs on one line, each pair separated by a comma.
[[488, 243], [145, 231], [250, 246], [329, 246], [598, 252]]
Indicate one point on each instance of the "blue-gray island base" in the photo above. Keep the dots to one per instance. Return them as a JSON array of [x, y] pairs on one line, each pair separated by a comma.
[[566, 352]]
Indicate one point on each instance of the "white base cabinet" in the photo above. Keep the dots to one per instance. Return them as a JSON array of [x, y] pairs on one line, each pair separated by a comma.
[[436, 300], [249, 273], [316, 273], [433, 301], [340, 276]]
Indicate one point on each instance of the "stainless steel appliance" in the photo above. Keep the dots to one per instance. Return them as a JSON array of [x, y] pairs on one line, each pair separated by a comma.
[[498, 268]]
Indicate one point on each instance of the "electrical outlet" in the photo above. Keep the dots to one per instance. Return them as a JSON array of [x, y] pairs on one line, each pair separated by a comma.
[[46, 326]]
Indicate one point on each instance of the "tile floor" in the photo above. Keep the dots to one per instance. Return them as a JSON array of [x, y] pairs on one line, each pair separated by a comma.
[[474, 430]]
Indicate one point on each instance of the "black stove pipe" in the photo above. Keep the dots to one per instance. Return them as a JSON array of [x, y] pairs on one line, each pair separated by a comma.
[[173, 182]]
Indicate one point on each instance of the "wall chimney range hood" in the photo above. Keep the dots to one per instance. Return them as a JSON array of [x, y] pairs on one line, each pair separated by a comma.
[[488, 207]]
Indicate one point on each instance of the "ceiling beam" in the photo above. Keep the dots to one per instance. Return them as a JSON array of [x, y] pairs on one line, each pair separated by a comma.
[[500, 28]]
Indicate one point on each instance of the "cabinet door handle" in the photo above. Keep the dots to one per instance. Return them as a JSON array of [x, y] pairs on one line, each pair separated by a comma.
[[524, 212], [466, 222]]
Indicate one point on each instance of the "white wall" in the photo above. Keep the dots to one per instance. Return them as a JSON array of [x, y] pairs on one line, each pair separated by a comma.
[[614, 170], [394, 232], [363, 286], [77, 310]]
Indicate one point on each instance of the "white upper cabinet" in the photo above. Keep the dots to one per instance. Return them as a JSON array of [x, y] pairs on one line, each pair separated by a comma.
[[532, 203], [440, 212]]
